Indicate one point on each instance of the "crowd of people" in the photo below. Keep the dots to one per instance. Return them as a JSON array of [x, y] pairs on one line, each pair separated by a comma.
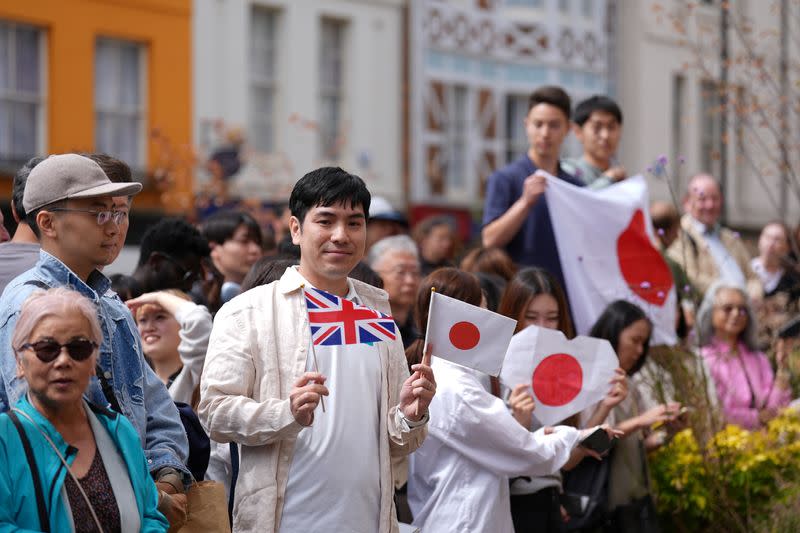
[[119, 392]]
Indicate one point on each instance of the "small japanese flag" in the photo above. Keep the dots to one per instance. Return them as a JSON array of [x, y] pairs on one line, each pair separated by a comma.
[[566, 376], [468, 335]]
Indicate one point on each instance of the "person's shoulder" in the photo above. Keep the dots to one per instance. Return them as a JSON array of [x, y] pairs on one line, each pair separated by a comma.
[[369, 293], [513, 170], [18, 290], [254, 300]]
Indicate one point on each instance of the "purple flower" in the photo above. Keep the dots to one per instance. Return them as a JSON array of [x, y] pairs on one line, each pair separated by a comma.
[[687, 288], [662, 160], [681, 159], [660, 231]]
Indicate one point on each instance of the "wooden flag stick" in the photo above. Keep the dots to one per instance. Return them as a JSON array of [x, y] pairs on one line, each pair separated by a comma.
[[313, 349], [425, 344]]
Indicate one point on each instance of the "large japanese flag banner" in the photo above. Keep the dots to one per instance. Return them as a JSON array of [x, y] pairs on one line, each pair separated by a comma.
[[468, 335], [566, 376], [605, 243]]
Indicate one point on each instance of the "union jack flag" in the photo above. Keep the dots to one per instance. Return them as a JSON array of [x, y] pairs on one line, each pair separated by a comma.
[[335, 321]]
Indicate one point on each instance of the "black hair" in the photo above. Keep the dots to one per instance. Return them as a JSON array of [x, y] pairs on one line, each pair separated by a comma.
[[614, 319], [18, 188], [30, 217], [552, 95], [594, 103], [492, 286], [117, 170], [175, 237], [363, 272], [125, 286], [266, 270], [222, 225], [325, 187]]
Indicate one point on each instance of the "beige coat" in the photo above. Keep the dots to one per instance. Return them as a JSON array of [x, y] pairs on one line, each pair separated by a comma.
[[691, 252], [258, 349]]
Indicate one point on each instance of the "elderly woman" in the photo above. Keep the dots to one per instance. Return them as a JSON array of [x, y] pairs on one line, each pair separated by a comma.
[[396, 260], [66, 465], [748, 391]]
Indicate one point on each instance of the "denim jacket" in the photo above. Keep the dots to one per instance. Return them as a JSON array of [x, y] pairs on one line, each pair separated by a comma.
[[142, 397]]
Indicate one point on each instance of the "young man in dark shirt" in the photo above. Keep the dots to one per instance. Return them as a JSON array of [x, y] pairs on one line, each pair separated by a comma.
[[515, 213]]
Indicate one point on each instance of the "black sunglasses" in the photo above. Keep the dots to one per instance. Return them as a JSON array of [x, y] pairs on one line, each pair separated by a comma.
[[48, 350]]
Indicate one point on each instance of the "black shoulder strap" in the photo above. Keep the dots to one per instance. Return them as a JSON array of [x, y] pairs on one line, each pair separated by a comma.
[[44, 522], [234, 477], [108, 390], [37, 283]]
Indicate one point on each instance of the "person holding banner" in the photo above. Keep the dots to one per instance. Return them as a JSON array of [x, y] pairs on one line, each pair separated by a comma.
[[458, 478], [515, 212], [629, 503], [271, 360], [534, 298]]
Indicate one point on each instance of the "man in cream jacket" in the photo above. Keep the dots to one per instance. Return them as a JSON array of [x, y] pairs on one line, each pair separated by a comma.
[[305, 468]]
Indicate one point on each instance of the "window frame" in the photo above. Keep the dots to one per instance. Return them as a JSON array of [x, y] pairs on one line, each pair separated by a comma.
[[115, 111]]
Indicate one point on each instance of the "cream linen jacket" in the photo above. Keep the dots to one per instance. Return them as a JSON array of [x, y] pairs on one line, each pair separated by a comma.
[[690, 251], [258, 349]]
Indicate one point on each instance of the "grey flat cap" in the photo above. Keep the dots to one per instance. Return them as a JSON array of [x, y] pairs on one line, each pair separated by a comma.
[[64, 176]]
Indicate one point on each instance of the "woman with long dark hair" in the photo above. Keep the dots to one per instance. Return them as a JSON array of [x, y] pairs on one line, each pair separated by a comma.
[[629, 503]]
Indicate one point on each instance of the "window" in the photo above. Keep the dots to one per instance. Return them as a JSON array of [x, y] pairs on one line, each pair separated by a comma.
[[710, 135], [331, 87], [456, 128], [21, 92], [524, 3], [678, 108], [516, 138], [263, 44], [119, 102]]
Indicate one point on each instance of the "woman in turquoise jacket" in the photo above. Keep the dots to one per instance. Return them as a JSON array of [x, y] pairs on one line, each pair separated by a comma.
[[67, 465]]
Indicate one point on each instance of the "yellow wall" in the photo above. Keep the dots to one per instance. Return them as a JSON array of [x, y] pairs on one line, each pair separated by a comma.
[[72, 26]]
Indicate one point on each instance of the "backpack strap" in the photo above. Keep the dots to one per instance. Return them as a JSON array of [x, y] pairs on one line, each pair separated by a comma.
[[234, 476], [108, 390], [44, 522]]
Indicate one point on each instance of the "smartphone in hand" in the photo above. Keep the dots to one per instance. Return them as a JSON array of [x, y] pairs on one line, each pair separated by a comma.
[[598, 441]]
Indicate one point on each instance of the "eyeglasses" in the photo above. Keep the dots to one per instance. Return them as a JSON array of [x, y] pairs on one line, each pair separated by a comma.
[[102, 216], [47, 350], [727, 308], [400, 273], [188, 276]]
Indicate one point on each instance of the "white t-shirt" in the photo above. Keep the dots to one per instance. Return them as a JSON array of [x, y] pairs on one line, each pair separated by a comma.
[[334, 480]]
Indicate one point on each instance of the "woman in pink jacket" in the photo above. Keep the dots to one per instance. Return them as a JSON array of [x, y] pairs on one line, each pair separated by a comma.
[[749, 393]]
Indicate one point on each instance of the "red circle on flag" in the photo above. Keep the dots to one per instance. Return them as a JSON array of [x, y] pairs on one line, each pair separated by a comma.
[[465, 335], [643, 267], [557, 380]]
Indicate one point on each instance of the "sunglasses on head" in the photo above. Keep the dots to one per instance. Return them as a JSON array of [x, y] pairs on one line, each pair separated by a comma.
[[47, 350]]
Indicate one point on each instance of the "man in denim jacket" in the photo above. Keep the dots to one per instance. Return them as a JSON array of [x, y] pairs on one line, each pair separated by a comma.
[[69, 203]]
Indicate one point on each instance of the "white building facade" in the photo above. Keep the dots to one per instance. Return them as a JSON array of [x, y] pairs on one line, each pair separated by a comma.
[[669, 65], [310, 83], [473, 66]]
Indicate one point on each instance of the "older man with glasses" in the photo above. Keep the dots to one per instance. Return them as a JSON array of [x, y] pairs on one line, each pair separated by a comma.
[[69, 204], [396, 260]]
